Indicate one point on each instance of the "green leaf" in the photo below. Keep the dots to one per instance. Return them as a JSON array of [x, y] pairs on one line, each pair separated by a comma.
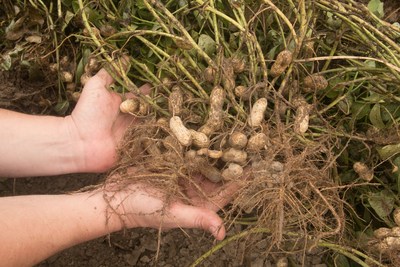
[[375, 117], [333, 21], [382, 203], [374, 97], [376, 7], [272, 52], [61, 107], [68, 16], [139, 5], [345, 104], [388, 151], [370, 63], [360, 110], [81, 65], [5, 62], [341, 261], [75, 6], [207, 44]]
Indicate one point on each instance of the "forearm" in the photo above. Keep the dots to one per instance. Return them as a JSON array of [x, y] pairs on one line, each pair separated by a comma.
[[33, 228], [37, 145]]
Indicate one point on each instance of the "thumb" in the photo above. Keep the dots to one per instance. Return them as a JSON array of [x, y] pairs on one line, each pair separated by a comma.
[[187, 216]]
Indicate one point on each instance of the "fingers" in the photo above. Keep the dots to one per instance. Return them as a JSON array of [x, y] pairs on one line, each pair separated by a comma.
[[187, 216], [144, 89], [211, 195], [103, 77], [227, 192], [224, 196]]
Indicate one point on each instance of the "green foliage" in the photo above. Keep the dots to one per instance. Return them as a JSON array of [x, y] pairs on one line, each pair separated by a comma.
[[382, 203], [376, 7]]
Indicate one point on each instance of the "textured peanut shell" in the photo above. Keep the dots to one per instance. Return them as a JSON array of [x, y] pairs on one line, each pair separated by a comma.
[[302, 119], [382, 232], [209, 171], [215, 117], [232, 172], [257, 142], [67, 76], [282, 61], [257, 112], [209, 74], [234, 155], [129, 106], [396, 216], [180, 131], [314, 82], [211, 153], [175, 101], [237, 140], [238, 64], [200, 139], [363, 171], [242, 92]]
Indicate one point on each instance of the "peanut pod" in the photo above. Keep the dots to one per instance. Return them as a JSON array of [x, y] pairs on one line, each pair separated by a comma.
[[175, 101], [396, 216], [129, 106], [234, 155], [257, 142], [180, 132], [242, 92], [200, 139], [234, 171], [214, 154], [206, 169], [237, 140], [257, 112], [363, 171], [314, 82], [215, 118], [302, 119], [283, 61]]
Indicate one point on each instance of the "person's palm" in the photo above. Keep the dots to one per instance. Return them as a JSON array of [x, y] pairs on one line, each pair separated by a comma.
[[98, 122], [145, 206]]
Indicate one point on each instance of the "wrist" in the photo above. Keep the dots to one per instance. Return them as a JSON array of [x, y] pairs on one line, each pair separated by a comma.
[[119, 205], [92, 153], [107, 215], [76, 146]]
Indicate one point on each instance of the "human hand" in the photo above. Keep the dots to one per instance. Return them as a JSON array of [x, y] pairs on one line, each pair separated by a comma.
[[97, 124], [140, 205]]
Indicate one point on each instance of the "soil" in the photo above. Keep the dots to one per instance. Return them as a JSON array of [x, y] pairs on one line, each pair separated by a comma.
[[23, 92]]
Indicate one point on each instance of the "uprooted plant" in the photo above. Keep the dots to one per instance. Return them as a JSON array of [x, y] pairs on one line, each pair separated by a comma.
[[302, 95], [253, 86]]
